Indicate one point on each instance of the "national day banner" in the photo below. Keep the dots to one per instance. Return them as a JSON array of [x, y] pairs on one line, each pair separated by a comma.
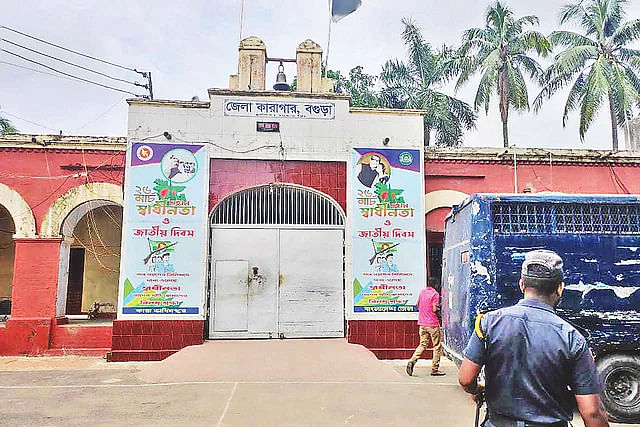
[[164, 256], [387, 229]]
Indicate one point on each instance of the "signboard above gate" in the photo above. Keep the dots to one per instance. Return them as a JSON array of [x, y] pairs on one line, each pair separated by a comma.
[[164, 235], [386, 222], [280, 109]]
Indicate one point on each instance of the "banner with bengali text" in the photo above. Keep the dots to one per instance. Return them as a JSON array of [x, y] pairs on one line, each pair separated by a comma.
[[164, 236], [387, 230]]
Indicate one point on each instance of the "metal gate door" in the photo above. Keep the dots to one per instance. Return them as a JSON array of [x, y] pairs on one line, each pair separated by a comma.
[[311, 293], [244, 306], [277, 265]]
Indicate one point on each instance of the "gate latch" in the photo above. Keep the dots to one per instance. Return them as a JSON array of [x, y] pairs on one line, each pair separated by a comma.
[[256, 277]]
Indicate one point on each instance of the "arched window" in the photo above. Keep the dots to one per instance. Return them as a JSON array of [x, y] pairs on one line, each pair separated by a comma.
[[277, 204]]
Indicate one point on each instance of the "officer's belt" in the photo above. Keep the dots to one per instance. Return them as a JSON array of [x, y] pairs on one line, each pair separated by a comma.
[[502, 421]]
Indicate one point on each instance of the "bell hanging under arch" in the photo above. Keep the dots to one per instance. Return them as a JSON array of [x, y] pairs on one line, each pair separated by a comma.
[[281, 79]]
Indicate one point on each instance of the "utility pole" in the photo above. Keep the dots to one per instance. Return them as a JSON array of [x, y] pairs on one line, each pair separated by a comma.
[[149, 84]]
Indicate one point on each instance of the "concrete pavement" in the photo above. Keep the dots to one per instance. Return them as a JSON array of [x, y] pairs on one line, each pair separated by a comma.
[[290, 383]]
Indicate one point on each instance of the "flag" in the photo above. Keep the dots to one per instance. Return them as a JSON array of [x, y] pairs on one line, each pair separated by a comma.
[[160, 245], [341, 8]]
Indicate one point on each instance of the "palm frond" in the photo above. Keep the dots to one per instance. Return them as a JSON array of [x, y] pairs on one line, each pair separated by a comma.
[[569, 38], [518, 95], [626, 33], [530, 65], [417, 49], [621, 91], [531, 40], [572, 12], [553, 82], [576, 94], [486, 87], [574, 59], [626, 55], [497, 16], [6, 126], [596, 90], [613, 12]]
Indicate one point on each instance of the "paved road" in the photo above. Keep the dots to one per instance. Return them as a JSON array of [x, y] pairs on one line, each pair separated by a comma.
[[83, 391]]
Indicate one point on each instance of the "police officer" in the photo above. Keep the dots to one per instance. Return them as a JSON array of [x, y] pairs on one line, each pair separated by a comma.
[[536, 364]]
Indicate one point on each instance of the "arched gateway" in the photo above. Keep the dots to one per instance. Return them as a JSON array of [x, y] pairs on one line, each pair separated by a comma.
[[277, 263]]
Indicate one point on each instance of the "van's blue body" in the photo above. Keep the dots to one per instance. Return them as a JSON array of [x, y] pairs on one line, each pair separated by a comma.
[[598, 237]]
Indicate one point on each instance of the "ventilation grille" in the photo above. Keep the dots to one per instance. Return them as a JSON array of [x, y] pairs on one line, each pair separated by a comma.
[[277, 205], [574, 218]]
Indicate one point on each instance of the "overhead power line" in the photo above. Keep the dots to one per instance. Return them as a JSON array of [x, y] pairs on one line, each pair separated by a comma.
[[69, 75], [145, 74], [73, 51], [74, 65], [27, 121], [35, 70]]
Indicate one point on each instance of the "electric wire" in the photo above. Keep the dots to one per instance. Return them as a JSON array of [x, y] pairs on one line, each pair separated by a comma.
[[74, 65], [70, 75], [100, 116], [35, 70], [262, 147], [27, 121], [73, 51]]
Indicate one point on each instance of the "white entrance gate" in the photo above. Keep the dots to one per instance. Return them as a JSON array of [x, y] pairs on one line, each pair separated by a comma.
[[277, 265]]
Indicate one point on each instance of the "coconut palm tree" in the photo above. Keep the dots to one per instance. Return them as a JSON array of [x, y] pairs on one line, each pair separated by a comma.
[[6, 126], [416, 83], [599, 63], [500, 52]]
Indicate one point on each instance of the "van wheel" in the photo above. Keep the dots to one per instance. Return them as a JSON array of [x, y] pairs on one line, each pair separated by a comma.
[[621, 396]]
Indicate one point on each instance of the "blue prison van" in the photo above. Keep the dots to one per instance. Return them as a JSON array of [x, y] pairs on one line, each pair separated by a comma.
[[598, 238]]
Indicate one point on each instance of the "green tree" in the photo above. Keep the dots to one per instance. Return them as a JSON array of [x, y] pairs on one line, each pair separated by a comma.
[[500, 52], [359, 85], [416, 83], [599, 63], [6, 127]]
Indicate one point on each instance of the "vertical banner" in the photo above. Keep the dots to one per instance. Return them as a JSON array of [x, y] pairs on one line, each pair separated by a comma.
[[164, 256], [387, 230]]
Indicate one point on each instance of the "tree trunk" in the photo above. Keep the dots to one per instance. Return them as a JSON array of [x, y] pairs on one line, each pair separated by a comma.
[[614, 124], [427, 135], [503, 93]]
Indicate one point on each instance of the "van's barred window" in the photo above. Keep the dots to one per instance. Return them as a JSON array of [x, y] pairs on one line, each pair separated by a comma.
[[599, 218]]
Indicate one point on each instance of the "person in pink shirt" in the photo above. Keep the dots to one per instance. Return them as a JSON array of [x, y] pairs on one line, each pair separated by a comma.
[[428, 303]]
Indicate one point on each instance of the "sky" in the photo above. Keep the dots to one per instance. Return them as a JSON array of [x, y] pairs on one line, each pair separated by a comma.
[[192, 46]]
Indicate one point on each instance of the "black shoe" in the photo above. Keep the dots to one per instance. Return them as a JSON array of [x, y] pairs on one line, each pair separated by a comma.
[[410, 366], [437, 373]]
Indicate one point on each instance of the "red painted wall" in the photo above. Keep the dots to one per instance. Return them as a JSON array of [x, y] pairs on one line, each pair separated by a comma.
[[35, 278], [497, 177], [39, 175], [229, 176]]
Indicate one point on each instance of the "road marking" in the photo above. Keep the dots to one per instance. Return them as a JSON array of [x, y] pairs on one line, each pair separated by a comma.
[[36, 387], [226, 407]]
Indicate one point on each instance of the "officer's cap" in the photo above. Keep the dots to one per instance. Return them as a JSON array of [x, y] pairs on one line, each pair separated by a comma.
[[542, 264]]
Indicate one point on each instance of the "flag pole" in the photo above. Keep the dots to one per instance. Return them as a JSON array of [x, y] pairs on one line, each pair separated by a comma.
[[241, 19], [326, 59]]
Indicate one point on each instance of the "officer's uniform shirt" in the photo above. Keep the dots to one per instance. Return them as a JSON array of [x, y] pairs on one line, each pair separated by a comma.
[[532, 356]]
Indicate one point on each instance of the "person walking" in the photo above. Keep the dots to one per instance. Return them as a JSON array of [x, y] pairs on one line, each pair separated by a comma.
[[537, 365], [429, 327]]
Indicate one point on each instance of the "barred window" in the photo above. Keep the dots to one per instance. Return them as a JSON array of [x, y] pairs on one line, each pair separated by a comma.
[[577, 218], [277, 204]]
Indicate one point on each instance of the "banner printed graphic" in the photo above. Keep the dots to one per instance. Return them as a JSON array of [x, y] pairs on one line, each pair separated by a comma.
[[163, 264], [387, 231]]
